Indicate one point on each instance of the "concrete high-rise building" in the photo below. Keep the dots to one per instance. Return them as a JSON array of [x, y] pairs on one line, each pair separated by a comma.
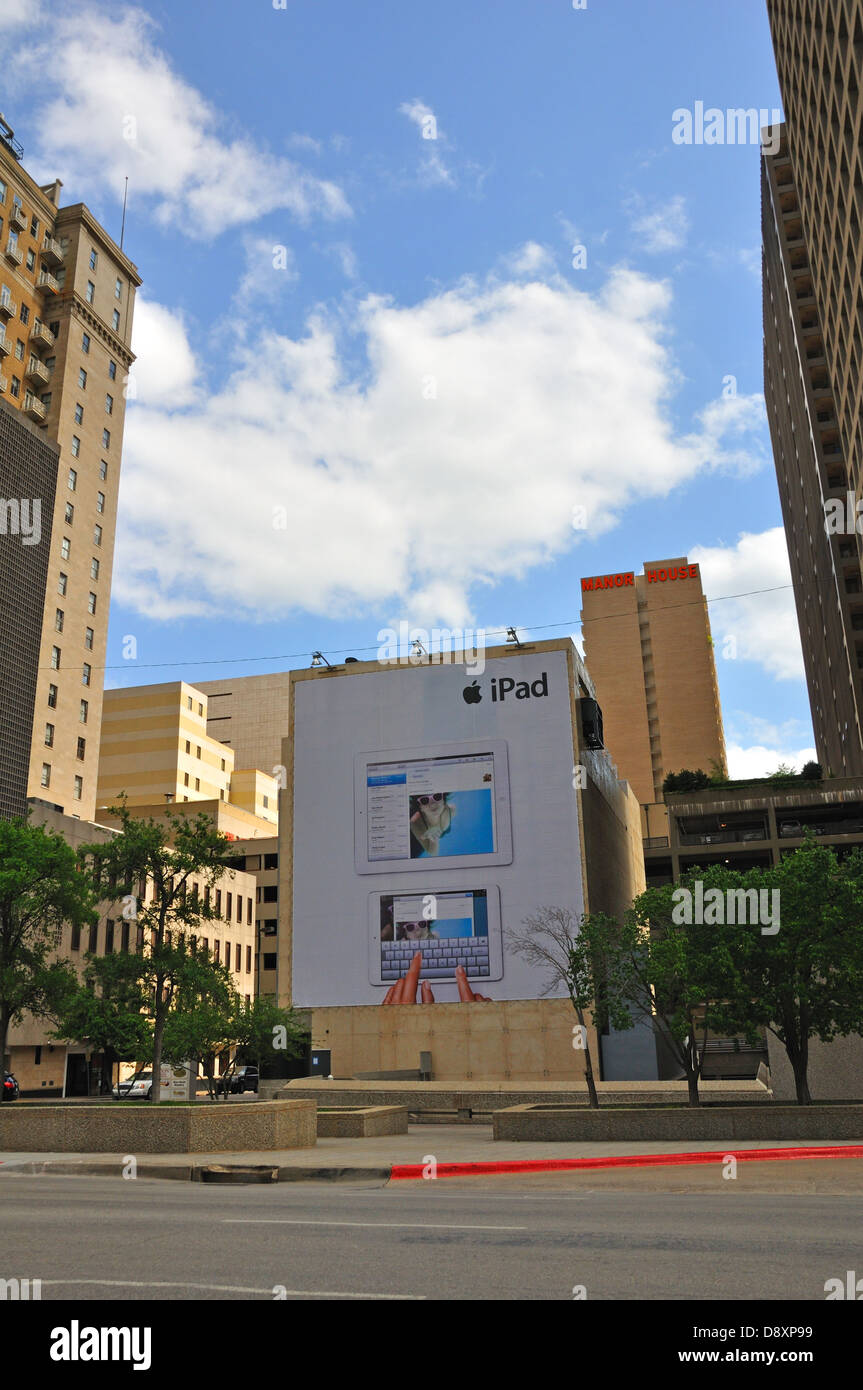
[[812, 203], [155, 744], [648, 648], [28, 478], [66, 302]]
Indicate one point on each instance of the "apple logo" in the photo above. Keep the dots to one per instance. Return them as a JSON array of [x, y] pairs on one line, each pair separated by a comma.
[[472, 694]]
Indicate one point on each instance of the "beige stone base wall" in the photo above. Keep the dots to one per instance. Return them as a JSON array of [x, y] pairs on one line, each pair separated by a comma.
[[518, 1040]]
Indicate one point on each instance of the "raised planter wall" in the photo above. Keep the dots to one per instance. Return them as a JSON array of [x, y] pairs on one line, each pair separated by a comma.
[[356, 1122], [544, 1122], [122, 1128]]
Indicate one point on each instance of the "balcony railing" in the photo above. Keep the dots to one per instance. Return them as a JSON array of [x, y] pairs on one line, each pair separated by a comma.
[[52, 251], [33, 407], [17, 216], [8, 306], [37, 371], [41, 333], [12, 252], [3, 384], [5, 343], [47, 282]]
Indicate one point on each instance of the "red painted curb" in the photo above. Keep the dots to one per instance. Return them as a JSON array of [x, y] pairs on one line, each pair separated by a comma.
[[557, 1165]]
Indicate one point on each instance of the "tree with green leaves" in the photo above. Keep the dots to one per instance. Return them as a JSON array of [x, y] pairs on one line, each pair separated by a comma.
[[169, 854], [805, 980], [41, 887], [201, 1021], [262, 1030], [108, 1008]]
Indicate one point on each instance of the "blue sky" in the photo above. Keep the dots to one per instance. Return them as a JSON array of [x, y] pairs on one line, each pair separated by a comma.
[[371, 385]]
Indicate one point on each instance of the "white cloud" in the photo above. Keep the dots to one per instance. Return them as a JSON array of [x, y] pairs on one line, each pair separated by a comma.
[[757, 761], [761, 628], [433, 169], [662, 228], [15, 12], [454, 458], [165, 372], [530, 259], [270, 269], [121, 109]]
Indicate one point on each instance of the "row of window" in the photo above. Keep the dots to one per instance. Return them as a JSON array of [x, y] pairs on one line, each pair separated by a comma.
[[60, 622], [86, 672], [233, 957], [77, 783]]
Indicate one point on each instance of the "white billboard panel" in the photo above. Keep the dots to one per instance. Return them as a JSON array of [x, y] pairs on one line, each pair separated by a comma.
[[433, 809]]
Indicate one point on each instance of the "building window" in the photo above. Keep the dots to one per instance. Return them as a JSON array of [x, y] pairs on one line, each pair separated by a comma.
[[69, 514], [37, 1055], [82, 378], [52, 697], [31, 259], [19, 349], [188, 702], [62, 583], [230, 905], [46, 775], [94, 568], [118, 289], [45, 398], [75, 942], [188, 745], [65, 547], [106, 439], [81, 749], [76, 446], [200, 709], [248, 960], [15, 388], [91, 603], [109, 937], [85, 710], [103, 469], [217, 947], [218, 902], [197, 784], [112, 370], [94, 938], [270, 960], [49, 735], [185, 779], [85, 342], [198, 751], [100, 501], [249, 906], [58, 619], [73, 479], [266, 803], [97, 535], [223, 764], [86, 671], [25, 316], [239, 911], [55, 658], [115, 320], [79, 412], [94, 258], [238, 961], [109, 405], [88, 638], [78, 788], [91, 290]]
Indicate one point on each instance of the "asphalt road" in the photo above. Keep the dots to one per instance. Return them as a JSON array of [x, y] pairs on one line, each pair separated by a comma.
[[105, 1238]]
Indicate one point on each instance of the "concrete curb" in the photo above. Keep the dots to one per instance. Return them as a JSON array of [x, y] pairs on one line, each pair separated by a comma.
[[560, 1165], [188, 1172]]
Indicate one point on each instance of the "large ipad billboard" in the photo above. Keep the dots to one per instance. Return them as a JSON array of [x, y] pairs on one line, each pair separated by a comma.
[[433, 810]]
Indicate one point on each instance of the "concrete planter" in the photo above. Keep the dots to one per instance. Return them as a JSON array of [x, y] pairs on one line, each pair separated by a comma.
[[122, 1128], [356, 1122], [726, 1123]]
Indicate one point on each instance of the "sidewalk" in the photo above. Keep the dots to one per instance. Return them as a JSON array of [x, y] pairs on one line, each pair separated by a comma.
[[375, 1159]]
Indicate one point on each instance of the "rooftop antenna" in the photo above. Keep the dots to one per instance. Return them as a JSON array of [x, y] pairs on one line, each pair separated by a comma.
[[123, 223]]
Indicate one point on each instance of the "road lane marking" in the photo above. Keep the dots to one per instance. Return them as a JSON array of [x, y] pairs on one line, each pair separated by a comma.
[[368, 1225], [222, 1288]]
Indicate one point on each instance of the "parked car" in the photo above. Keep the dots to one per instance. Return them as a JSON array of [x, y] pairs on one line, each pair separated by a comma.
[[10, 1087], [752, 835], [244, 1079], [137, 1087], [790, 828]]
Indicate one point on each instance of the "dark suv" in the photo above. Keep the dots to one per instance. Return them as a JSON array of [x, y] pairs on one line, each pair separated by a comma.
[[244, 1079], [9, 1090]]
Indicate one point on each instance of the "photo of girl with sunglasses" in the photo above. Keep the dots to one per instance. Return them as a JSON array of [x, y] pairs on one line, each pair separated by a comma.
[[431, 818]]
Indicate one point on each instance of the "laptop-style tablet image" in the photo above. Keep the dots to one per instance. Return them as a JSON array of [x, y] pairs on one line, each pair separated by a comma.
[[448, 804], [450, 927]]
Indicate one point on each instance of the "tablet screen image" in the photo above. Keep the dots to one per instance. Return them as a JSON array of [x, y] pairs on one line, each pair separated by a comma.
[[449, 929]]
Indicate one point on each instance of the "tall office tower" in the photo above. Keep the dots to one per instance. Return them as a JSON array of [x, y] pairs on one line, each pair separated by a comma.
[[66, 301], [28, 477], [813, 320], [648, 648]]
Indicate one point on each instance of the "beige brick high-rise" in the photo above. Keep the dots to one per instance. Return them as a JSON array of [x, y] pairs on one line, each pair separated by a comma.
[[66, 303], [648, 648], [813, 325]]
